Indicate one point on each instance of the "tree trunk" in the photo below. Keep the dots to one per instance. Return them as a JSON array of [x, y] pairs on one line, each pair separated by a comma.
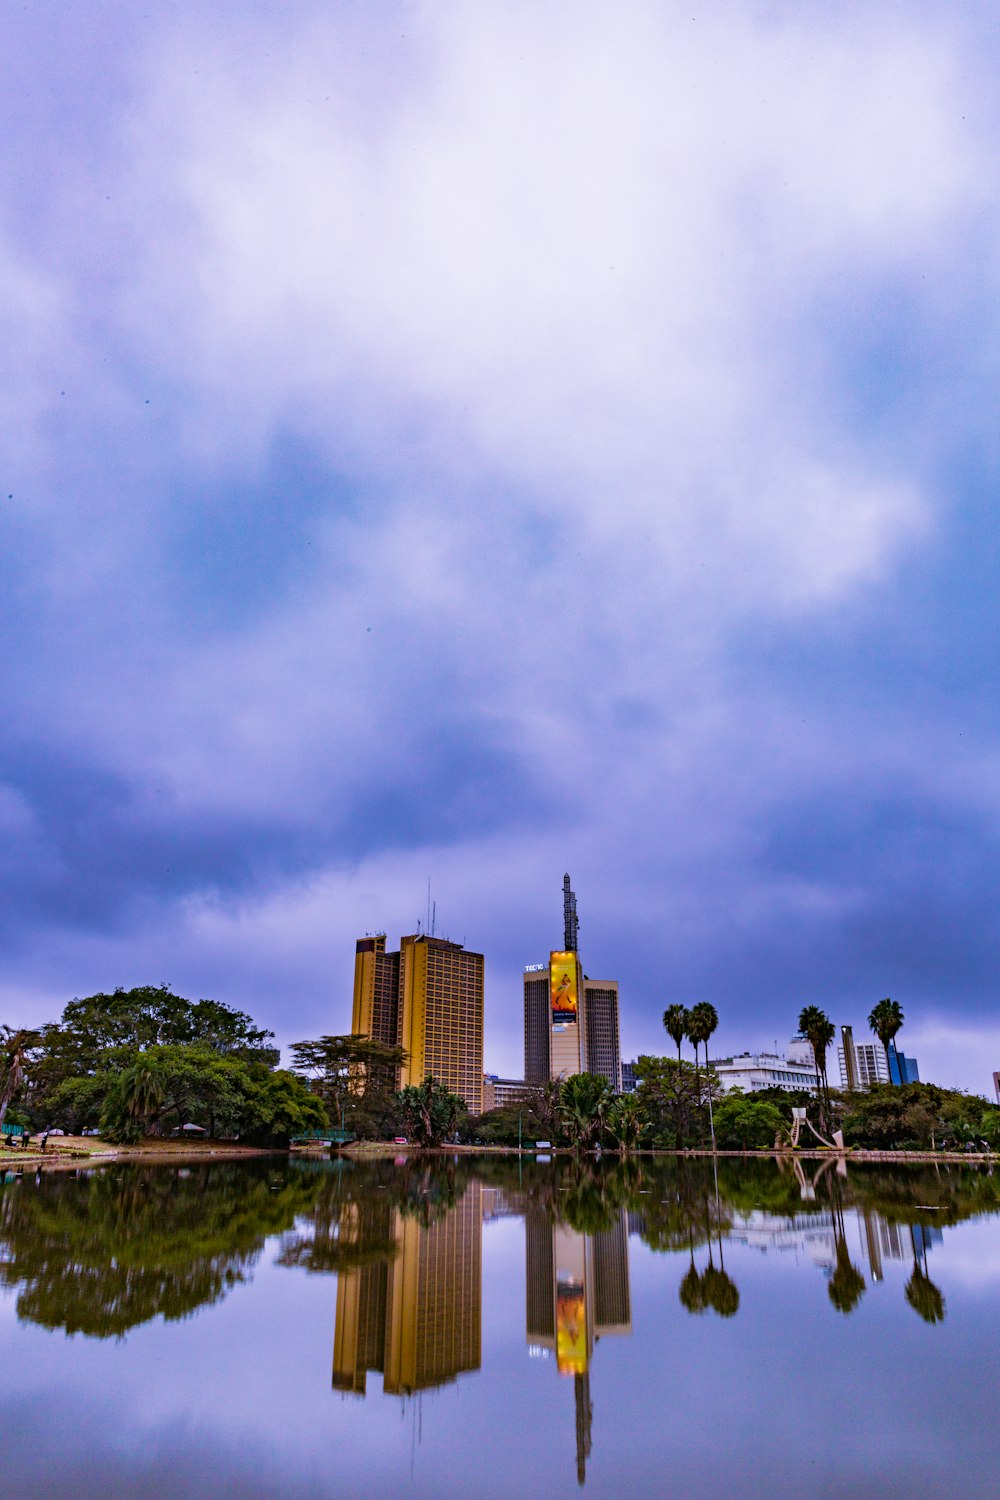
[[15, 1068]]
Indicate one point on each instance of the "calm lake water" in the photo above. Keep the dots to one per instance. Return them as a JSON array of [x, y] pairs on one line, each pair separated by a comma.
[[483, 1328]]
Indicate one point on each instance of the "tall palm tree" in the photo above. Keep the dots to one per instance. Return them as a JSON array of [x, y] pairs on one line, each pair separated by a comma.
[[815, 1025], [885, 1020], [706, 1019], [13, 1052], [692, 1030], [703, 1021], [675, 1023]]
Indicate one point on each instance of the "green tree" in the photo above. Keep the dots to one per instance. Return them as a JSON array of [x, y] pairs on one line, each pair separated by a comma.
[[15, 1050], [355, 1076], [744, 1122], [885, 1117], [100, 1035], [885, 1020], [136, 1099], [583, 1106], [430, 1111], [153, 1016], [704, 1019], [670, 1093], [692, 1291], [279, 1106], [675, 1024], [624, 1122]]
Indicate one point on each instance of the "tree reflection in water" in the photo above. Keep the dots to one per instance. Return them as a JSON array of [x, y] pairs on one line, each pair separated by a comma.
[[100, 1252]]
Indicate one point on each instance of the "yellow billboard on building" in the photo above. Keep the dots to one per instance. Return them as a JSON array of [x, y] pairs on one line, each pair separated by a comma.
[[563, 986]]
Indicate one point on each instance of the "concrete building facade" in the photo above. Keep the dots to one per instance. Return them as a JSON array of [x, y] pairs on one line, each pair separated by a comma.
[[753, 1071], [500, 1093]]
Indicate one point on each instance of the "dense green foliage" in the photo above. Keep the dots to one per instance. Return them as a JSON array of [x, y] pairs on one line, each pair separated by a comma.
[[145, 1061], [919, 1115], [744, 1122], [430, 1113], [584, 1102], [355, 1077]]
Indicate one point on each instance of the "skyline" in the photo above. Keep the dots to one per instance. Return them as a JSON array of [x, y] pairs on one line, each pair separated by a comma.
[[492, 444]]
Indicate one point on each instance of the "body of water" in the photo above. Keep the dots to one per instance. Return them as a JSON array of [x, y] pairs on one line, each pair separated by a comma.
[[494, 1328]]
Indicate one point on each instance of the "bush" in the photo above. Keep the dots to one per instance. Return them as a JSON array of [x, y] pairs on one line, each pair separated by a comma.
[[744, 1123]]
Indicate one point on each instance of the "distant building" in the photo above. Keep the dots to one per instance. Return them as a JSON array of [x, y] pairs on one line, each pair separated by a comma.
[[499, 1093], [570, 1020], [996, 1085], [862, 1064], [902, 1069], [800, 1050], [752, 1071], [428, 998], [629, 1080]]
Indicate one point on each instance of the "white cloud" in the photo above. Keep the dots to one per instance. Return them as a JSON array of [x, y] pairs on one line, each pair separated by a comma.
[[582, 249]]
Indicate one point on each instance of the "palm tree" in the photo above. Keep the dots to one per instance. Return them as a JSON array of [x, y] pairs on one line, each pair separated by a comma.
[[885, 1020], [815, 1025], [583, 1106], [675, 1023], [703, 1020], [142, 1093], [625, 1119], [692, 1031], [13, 1052]]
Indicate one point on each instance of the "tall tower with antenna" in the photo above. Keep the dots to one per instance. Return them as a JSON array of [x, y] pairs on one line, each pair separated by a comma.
[[570, 1020], [571, 925]]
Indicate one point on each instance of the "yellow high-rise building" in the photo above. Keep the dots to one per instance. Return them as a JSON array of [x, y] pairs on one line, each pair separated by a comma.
[[427, 998]]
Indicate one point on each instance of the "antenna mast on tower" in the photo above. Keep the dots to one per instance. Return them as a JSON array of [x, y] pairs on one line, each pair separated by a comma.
[[571, 926]]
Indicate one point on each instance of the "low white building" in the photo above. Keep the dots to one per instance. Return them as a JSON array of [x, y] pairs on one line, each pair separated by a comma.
[[752, 1071]]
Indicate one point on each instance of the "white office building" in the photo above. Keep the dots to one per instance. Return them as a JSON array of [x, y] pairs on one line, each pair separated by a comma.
[[752, 1071]]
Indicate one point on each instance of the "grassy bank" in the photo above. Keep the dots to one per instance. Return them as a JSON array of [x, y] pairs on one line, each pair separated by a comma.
[[73, 1150]]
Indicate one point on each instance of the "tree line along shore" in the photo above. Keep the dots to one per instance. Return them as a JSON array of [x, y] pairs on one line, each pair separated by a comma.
[[145, 1065]]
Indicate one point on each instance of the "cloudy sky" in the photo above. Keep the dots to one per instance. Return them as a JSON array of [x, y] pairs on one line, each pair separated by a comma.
[[484, 441]]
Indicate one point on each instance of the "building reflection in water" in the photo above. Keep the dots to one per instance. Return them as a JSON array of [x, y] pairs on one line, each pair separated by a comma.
[[415, 1319], [814, 1235], [577, 1293]]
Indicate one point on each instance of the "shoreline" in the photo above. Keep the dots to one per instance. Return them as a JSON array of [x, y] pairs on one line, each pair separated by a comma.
[[370, 1149], [77, 1154], [74, 1156]]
